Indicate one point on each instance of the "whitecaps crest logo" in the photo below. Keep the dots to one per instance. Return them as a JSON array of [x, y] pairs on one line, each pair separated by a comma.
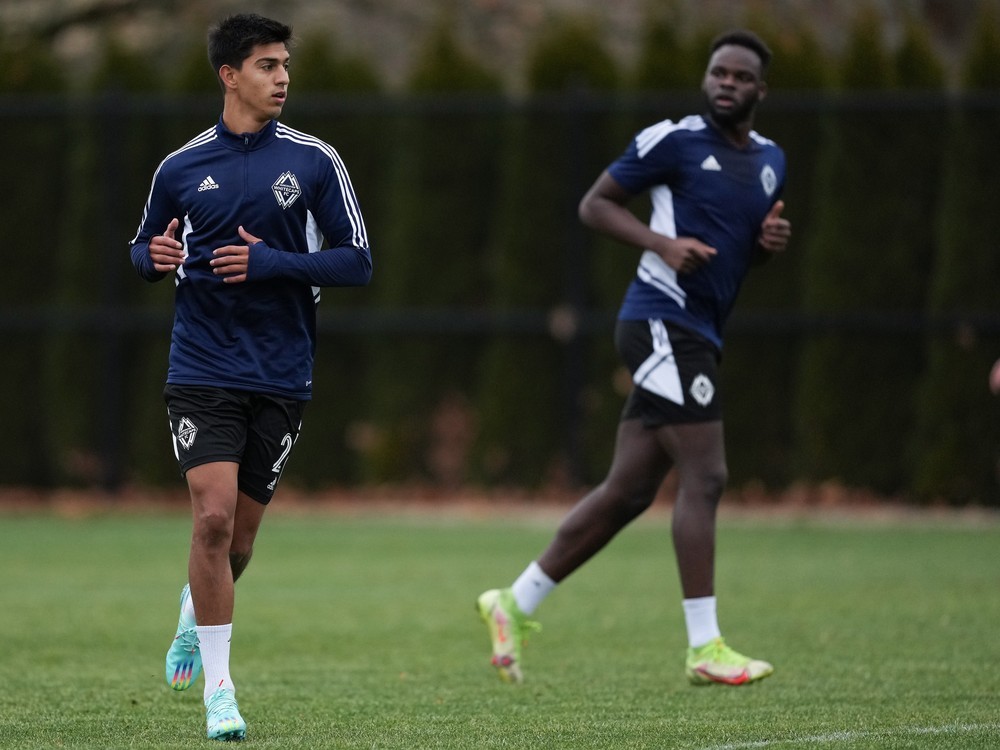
[[702, 389], [186, 433], [768, 179], [286, 189]]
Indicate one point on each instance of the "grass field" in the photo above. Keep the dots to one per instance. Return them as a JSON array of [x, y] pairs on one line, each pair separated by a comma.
[[359, 632]]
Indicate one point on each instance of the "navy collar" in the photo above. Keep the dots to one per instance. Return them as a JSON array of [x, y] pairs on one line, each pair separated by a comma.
[[721, 135], [245, 141]]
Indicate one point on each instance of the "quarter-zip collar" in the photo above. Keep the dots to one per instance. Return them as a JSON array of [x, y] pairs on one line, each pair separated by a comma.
[[245, 141]]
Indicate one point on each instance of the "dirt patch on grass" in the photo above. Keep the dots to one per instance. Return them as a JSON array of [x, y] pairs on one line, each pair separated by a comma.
[[824, 502]]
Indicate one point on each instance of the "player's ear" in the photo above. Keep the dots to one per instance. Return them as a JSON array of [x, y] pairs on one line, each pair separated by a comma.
[[761, 90], [227, 74]]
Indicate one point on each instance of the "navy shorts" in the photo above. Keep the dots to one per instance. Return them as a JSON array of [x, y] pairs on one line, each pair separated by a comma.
[[255, 430], [675, 373]]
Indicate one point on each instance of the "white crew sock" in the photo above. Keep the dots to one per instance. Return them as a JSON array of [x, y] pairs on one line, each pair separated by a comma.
[[187, 610], [702, 624], [215, 640], [531, 587]]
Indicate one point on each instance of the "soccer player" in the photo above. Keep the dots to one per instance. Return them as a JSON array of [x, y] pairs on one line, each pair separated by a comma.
[[250, 218], [714, 184]]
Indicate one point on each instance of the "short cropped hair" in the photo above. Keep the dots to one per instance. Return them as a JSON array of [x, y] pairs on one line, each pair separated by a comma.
[[744, 38], [231, 41]]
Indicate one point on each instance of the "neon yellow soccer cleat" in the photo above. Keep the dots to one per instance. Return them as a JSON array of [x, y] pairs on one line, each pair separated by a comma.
[[184, 654], [715, 662], [508, 628]]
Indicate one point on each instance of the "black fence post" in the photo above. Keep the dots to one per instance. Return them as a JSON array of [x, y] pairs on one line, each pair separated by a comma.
[[575, 275], [113, 116]]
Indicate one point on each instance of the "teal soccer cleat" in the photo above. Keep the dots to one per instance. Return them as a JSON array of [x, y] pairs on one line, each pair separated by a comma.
[[223, 717], [184, 655]]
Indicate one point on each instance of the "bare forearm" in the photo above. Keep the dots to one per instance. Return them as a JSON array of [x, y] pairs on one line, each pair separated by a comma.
[[615, 221]]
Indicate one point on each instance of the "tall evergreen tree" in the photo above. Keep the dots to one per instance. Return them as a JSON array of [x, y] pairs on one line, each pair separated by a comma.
[[319, 67], [531, 385], [865, 268], [432, 256], [32, 215], [89, 364], [958, 425], [666, 61]]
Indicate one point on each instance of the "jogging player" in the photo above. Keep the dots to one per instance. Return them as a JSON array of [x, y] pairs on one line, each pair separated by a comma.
[[714, 184], [250, 218]]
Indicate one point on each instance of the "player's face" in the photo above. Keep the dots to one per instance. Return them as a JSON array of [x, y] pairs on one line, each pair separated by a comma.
[[733, 84], [262, 81]]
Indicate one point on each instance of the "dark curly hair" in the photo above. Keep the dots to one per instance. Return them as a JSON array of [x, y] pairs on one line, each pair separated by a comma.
[[744, 38]]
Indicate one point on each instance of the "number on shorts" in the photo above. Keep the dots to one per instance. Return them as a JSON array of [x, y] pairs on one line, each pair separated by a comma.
[[286, 448]]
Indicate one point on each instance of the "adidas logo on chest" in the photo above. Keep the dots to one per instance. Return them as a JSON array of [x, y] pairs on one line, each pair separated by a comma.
[[711, 164], [208, 184]]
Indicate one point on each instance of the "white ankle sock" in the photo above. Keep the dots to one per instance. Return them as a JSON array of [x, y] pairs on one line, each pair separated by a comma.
[[215, 641], [531, 587], [700, 617]]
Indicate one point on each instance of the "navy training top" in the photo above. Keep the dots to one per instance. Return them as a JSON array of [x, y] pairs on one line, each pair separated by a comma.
[[292, 191], [702, 186]]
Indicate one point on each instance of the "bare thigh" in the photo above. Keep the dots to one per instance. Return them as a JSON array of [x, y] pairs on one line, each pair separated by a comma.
[[698, 451]]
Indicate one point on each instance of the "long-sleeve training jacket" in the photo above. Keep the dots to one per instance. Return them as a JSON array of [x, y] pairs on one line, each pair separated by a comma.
[[292, 191]]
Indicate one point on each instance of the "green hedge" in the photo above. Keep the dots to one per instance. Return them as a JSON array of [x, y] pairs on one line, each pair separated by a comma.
[[430, 253], [869, 251], [958, 425], [530, 383], [470, 199], [32, 213]]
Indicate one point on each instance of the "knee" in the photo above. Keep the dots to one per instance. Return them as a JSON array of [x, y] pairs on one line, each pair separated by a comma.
[[213, 527], [709, 483]]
